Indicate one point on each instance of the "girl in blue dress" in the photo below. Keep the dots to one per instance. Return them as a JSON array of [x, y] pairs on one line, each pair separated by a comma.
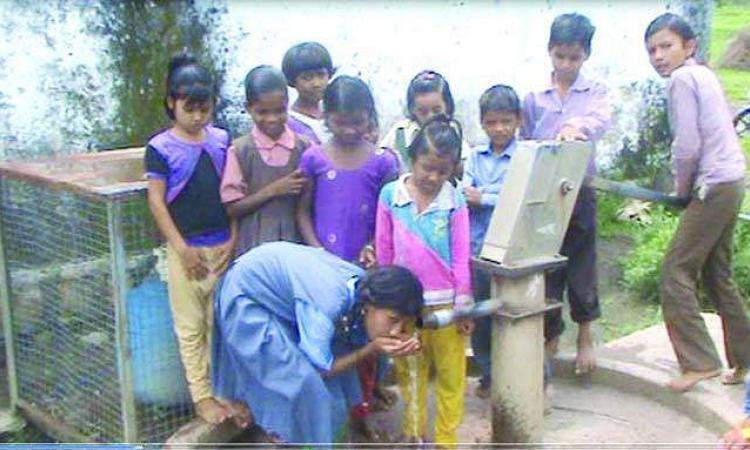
[[292, 322]]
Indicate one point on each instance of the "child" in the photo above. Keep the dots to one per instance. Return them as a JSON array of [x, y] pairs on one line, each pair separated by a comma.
[[710, 168], [572, 108], [423, 224], [261, 182], [308, 68], [428, 95], [183, 165], [500, 115], [337, 210]]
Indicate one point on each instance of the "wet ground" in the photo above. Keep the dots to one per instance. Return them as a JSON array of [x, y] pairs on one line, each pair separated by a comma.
[[579, 414]]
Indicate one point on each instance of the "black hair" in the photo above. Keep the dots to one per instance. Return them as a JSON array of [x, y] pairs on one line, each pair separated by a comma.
[[499, 98], [303, 57], [347, 94], [441, 134], [262, 80], [188, 80], [571, 29], [671, 22], [392, 287], [425, 82]]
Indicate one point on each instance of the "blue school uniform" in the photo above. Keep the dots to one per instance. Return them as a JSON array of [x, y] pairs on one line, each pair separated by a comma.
[[283, 312], [485, 171]]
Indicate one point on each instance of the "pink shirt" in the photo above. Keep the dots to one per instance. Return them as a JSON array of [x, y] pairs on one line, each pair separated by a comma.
[[705, 148], [275, 153], [585, 107]]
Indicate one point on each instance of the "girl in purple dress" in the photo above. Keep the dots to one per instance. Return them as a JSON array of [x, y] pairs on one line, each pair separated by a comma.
[[337, 210]]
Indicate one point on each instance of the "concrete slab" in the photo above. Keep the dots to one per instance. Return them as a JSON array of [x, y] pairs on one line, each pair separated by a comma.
[[625, 401], [643, 362]]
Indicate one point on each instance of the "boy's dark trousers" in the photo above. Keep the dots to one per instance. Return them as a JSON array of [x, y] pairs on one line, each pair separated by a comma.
[[702, 246], [481, 339], [579, 274]]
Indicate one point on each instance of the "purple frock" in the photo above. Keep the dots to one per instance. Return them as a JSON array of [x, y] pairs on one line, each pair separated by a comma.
[[344, 201]]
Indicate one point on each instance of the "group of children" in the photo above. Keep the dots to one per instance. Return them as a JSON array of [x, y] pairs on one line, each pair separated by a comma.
[[314, 172]]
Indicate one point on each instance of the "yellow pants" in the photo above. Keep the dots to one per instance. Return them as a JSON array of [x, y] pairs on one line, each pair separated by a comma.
[[445, 349], [191, 302]]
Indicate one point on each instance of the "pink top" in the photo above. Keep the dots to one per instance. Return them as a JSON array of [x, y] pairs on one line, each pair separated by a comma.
[[705, 148], [275, 153]]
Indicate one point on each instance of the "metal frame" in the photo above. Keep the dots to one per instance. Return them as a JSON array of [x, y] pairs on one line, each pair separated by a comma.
[[7, 311], [122, 342]]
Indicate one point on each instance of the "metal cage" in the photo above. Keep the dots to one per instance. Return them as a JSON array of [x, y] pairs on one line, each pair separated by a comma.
[[91, 352]]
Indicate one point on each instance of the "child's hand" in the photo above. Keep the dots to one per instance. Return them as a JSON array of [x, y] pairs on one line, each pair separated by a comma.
[[367, 257], [394, 346], [570, 133], [226, 254], [473, 196], [465, 326], [291, 184], [194, 263]]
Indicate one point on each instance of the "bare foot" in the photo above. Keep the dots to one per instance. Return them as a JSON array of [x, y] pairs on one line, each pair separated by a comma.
[[210, 410], [239, 412], [484, 388], [482, 391], [735, 375], [687, 380], [384, 399], [585, 360], [369, 432]]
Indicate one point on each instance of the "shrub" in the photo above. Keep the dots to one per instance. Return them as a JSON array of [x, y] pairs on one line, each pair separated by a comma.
[[642, 266]]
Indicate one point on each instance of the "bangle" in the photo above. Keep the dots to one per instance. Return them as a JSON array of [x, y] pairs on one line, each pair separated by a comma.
[[745, 433]]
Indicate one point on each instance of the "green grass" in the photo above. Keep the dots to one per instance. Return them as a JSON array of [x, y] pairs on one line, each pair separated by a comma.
[[729, 18], [736, 86]]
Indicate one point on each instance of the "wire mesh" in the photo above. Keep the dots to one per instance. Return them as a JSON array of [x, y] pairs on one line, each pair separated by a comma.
[[61, 290]]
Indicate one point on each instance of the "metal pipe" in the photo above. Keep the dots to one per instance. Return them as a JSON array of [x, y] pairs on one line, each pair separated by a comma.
[[445, 317], [122, 339], [517, 362], [632, 191]]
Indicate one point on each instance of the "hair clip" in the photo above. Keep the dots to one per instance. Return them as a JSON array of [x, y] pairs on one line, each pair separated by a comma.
[[427, 75]]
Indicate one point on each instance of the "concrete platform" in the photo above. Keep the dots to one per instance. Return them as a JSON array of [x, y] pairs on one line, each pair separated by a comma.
[[624, 402]]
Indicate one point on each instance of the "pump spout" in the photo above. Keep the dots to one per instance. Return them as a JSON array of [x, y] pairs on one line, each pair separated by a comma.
[[445, 317]]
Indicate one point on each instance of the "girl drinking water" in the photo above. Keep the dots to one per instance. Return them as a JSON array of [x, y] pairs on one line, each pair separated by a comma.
[[423, 224], [709, 168]]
